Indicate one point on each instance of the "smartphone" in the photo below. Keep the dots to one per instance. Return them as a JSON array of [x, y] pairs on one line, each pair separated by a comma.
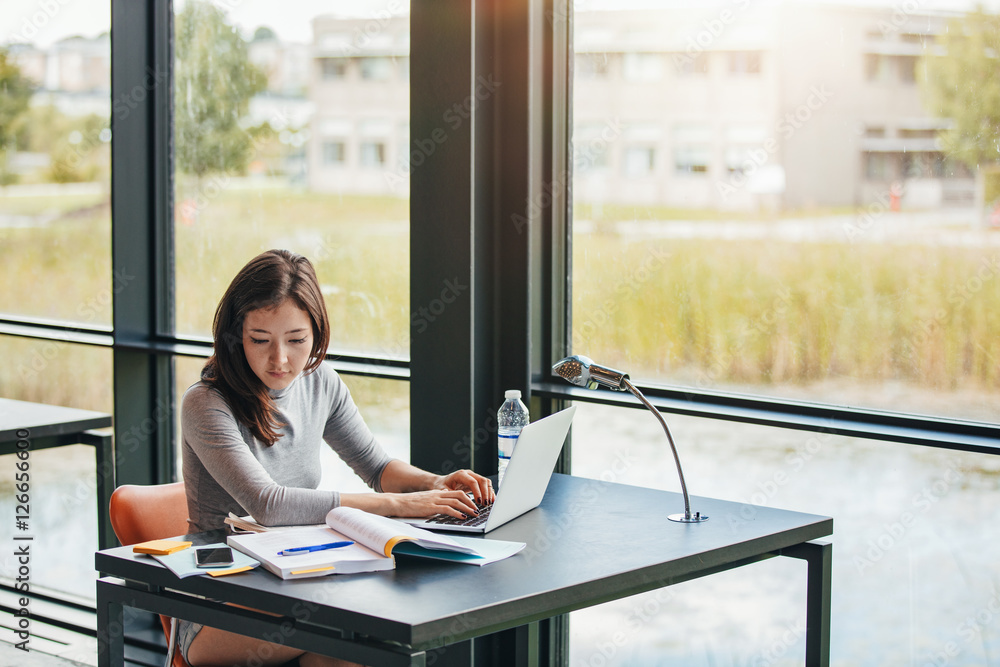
[[213, 556]]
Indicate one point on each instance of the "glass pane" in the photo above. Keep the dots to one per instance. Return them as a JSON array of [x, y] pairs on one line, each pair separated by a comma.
[[913, 569], [291, 131], [384, 404], [55, 161], [786, 199], [63, 482]]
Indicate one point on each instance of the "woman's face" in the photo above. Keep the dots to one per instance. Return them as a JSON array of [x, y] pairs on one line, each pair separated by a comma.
[[277, 342]]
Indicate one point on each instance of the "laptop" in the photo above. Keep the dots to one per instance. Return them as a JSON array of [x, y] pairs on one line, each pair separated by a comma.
[[524, 483]]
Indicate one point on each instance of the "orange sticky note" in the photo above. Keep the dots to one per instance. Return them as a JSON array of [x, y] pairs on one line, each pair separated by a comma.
[[160, 547]]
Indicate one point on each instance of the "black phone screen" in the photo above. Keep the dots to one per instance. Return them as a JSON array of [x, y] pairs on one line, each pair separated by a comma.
[[213, 556]]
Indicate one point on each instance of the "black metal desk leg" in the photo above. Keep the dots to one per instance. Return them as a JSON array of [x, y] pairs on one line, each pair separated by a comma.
[[105, 459], [110, 630], [819, 559]]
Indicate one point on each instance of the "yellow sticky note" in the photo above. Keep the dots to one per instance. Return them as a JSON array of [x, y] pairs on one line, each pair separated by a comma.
[[232, 570], [315, 569], [160, 547]]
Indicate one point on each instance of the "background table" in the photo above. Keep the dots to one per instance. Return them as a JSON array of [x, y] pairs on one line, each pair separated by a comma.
[[47, 426], [588, 542]]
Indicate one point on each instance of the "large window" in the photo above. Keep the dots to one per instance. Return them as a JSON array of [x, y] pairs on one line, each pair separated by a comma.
[[284, 128], [792, 255], [55, 261], [739, 240], [55, 167]]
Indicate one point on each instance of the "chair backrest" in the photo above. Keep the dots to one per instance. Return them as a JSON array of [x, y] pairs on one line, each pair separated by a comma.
[[141, 513]]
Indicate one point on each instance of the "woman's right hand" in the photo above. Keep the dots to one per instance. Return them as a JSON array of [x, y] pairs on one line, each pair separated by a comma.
[[413, 504]]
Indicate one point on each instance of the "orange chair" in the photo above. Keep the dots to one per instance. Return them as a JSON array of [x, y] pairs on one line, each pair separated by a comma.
[[141, 513]]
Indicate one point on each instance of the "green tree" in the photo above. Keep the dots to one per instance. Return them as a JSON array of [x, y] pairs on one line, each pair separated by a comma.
[[214, 82], [15, 94], [960, 81]]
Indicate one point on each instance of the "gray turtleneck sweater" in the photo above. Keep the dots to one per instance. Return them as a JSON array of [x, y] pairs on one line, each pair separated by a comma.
[[227, 470]]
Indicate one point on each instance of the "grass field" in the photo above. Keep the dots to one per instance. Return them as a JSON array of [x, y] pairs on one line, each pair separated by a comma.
[[689, 311]]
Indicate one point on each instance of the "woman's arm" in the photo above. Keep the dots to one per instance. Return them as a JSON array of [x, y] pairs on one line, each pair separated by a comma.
[[412, 492]]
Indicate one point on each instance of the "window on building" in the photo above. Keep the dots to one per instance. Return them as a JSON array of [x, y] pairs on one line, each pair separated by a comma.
[[691, 64], [333, 69], [638, 67], [744, 62], [639, 160], [878, 68], [592, 65], [592, 143], [692, 159], [334, 153], [907, 69], [745, 147], [878, 167], [692, 148], [372, 154], [375, 68]]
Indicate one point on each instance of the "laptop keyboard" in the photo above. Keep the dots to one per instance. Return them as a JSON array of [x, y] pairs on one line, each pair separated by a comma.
[[474, 520]]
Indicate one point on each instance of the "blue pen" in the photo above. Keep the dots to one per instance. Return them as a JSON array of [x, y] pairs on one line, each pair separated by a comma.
[[318, 547]]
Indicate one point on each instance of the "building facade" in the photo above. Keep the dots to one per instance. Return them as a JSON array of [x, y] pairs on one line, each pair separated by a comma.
[[730, 106]]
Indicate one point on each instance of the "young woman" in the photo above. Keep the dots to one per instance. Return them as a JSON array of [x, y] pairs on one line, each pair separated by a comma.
[[253, 427]]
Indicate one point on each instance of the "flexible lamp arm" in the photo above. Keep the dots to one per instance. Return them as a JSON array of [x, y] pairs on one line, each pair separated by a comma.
[[673, 449], [583, 372]]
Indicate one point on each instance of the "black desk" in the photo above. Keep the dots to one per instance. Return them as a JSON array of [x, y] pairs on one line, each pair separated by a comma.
[[44, 426], [586, 545]]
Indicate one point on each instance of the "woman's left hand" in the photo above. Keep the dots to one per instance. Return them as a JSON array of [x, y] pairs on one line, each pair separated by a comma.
[[465, 480]]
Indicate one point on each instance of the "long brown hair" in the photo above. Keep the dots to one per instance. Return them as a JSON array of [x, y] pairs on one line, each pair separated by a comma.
[[265, 282]]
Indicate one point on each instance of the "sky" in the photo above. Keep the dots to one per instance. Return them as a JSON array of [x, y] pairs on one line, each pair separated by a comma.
[[43, 22]]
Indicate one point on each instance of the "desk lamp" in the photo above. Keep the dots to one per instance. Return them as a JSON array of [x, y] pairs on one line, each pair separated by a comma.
[[583, 372]]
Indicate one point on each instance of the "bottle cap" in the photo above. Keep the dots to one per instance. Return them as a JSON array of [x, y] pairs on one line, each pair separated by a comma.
[[512, 393]]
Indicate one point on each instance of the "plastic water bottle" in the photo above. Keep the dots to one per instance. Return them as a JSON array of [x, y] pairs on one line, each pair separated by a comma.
[[511, 418]]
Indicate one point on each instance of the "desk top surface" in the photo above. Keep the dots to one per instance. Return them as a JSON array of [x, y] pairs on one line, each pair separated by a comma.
[[588, 542], [41, 420]]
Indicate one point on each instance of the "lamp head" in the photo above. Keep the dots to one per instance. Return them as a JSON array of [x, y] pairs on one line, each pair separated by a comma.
[[583, 372]]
